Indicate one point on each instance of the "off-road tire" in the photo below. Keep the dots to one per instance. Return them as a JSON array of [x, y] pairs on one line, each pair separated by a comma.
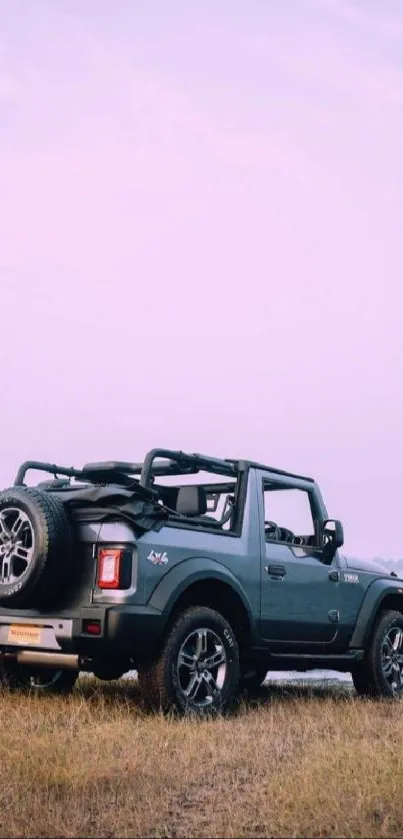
[[45, 682], [160, 682], [50, 562], [39, 682], [369, 677]]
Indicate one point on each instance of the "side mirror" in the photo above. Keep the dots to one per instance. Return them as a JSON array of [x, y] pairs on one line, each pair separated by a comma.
[[333, 538]]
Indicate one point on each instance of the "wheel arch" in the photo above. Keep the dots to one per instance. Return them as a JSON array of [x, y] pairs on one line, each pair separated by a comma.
[[205, 582], [380, 597]]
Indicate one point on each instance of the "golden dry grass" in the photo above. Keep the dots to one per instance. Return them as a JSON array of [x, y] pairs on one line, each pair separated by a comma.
[[300, 763]]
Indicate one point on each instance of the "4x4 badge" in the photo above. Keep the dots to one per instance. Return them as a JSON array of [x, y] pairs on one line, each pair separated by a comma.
[[158, 558]]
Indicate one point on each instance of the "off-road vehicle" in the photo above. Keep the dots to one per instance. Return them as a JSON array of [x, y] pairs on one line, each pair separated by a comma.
[[200, 573]]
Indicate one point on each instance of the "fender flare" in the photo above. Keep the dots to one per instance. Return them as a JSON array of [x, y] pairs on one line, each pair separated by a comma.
[[378, 591], [175, 583]]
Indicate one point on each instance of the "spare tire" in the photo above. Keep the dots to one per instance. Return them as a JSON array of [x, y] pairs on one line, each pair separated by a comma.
[[35, 547]]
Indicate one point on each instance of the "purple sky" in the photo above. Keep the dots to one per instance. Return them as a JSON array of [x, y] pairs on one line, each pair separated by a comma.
[[201, 239]]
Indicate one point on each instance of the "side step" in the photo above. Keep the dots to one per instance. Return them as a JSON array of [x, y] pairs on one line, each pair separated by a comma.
[[310, 661]]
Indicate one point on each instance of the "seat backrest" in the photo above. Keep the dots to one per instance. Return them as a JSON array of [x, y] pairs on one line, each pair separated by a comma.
[[191, 501]]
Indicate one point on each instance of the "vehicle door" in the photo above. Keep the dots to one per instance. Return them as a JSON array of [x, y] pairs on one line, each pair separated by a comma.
[[299, 593]]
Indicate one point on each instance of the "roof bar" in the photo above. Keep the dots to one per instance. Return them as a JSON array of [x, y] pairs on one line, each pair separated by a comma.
[[45, 467], [188, 464]]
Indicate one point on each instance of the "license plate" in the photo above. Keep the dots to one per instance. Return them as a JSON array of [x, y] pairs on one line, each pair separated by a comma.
[[24, 635]]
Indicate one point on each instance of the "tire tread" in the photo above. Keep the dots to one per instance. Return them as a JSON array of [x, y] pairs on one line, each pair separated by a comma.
[[155, 686]]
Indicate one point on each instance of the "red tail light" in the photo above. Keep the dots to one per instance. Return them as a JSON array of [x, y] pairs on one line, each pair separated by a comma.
[[109, 561]]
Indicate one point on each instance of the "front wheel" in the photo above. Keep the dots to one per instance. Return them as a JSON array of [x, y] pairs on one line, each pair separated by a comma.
[[380, 674], [198, 668], [252, 680]]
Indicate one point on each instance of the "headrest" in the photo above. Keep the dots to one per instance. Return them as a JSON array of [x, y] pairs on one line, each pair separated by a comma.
[[191, 501]]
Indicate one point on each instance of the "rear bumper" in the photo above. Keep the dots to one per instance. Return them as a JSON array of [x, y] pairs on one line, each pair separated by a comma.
[[125, 631]]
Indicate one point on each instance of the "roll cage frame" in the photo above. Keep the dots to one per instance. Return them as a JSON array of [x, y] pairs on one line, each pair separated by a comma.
[[172, 463]]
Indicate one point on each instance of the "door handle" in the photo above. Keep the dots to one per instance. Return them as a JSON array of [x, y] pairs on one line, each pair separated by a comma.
[[277, 571], [334, 576]]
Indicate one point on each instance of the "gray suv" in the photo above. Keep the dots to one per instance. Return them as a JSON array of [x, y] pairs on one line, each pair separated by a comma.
[[200, 573]]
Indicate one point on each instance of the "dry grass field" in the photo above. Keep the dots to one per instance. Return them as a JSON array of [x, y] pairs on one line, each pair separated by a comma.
[[299, 762]]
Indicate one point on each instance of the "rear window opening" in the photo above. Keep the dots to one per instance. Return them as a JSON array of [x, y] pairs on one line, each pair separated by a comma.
[[207, 503]]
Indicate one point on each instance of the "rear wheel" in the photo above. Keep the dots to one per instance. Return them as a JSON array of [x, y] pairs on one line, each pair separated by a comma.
[[198, 668], [42, 681], [49, 681], [380, 674]]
